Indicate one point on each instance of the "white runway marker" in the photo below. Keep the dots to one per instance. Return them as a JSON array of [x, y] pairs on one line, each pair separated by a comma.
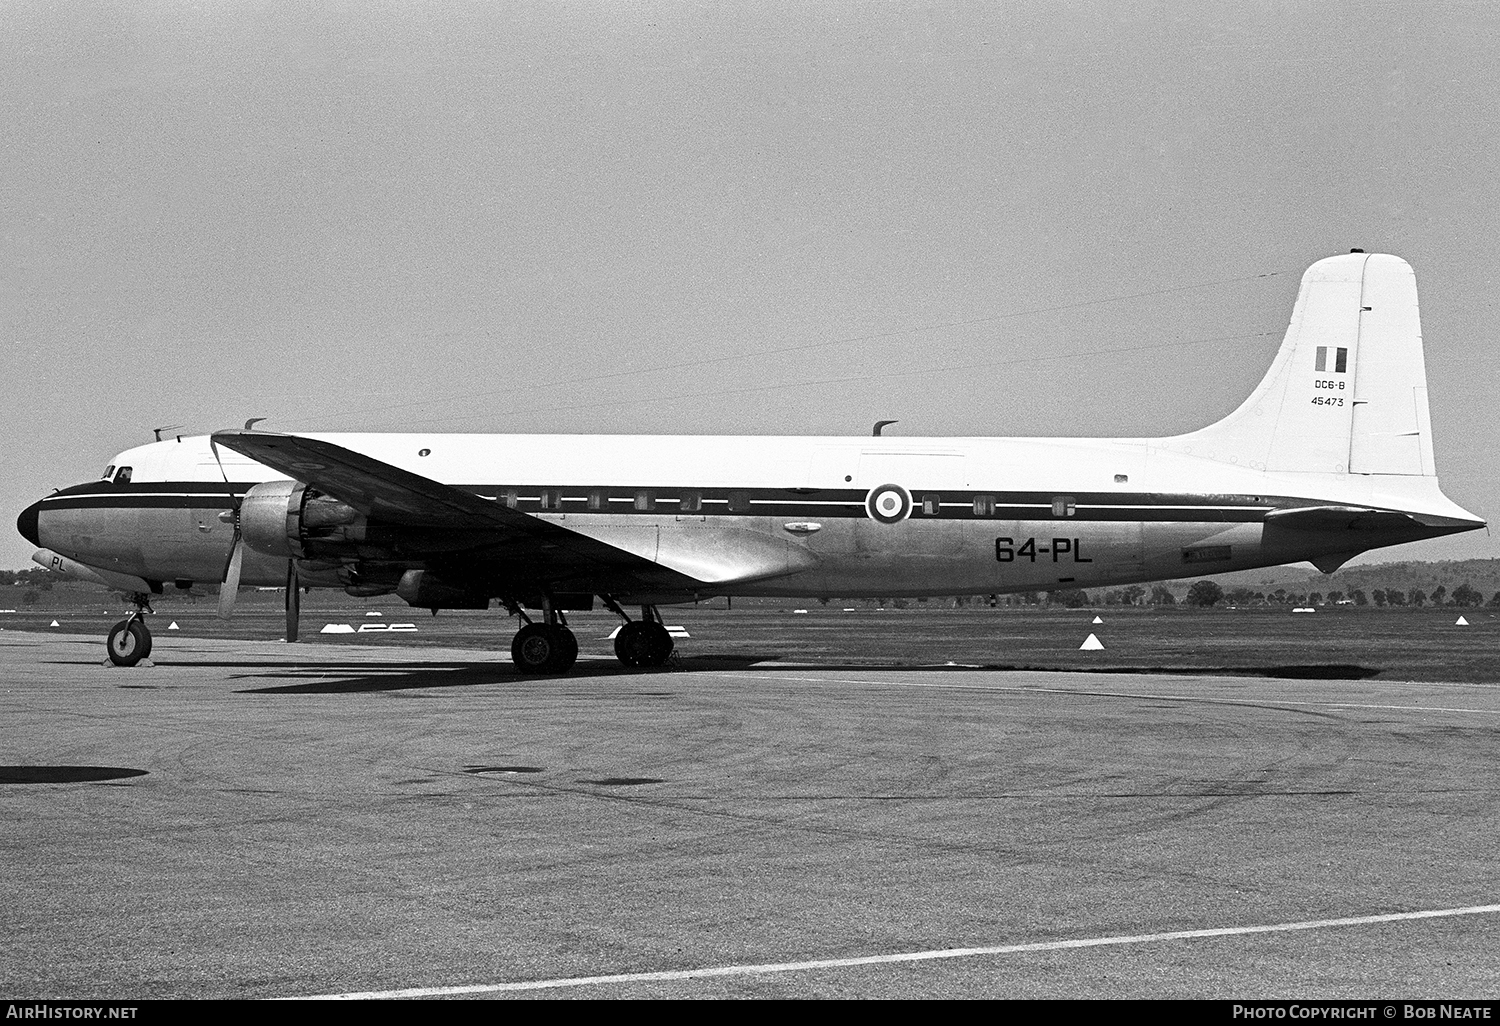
[[909, 956], [1091, 644], [1460, 622], [676, 630]]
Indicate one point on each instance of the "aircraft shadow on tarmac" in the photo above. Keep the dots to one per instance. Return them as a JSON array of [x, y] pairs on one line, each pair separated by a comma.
[[351, 678], [398, 676], [65, 774]]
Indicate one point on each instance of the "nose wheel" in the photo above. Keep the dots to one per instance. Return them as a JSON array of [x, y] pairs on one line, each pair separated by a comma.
[[129, 641]]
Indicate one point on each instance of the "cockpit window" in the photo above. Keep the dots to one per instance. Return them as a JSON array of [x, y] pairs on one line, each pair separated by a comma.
[[109, 472], [122, 476]]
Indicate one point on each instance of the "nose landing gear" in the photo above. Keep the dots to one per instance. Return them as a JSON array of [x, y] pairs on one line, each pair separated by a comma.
[[129, 641]]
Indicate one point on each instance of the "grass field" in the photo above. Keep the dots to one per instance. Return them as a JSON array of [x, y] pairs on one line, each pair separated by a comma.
[[1350, 643]]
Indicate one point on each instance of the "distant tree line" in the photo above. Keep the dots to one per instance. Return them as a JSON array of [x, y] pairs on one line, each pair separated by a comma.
[[34, 576], [1207, 593]]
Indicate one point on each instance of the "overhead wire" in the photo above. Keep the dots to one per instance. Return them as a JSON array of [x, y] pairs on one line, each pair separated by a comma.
[[784, 350], [634, 400]]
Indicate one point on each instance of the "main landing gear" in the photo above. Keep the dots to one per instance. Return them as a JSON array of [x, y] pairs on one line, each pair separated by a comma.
[[643, 642], [129, 641], [547, 647]]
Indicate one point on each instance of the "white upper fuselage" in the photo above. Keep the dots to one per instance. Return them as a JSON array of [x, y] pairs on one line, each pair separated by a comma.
[[1066, 465]]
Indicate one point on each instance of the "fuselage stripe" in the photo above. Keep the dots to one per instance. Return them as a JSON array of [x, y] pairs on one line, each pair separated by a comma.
[[616, 500]]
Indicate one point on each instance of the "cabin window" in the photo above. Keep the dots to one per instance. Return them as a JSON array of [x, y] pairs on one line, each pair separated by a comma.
[[1064, 506], [109, 472], [739, 502], [930, 504], [510, 497], [645, 499], [596, 499], [692, 502], [1122, 478], [122, 476], [984, 505], [551, 498]]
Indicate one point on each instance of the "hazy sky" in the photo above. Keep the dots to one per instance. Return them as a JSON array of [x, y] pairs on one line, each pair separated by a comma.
[[979, 218]]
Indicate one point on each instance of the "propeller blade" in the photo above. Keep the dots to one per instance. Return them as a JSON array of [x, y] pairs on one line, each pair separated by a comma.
[[229, 589], [293, 600], [231, 586]]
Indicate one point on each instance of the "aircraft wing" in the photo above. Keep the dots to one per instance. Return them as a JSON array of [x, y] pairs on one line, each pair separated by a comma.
[[496, 539], [375, 488]]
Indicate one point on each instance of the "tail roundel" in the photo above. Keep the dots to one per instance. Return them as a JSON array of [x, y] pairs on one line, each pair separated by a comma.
[[1347, 392]]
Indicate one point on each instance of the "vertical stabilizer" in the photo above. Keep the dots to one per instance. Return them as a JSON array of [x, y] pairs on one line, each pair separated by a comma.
[[1347, 392]]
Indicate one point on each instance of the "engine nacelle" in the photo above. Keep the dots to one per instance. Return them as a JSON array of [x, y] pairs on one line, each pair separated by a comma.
[[291, 520], [425, 590]]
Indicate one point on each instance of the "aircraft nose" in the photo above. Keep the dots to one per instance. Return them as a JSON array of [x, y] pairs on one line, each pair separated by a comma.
[[28, 523]]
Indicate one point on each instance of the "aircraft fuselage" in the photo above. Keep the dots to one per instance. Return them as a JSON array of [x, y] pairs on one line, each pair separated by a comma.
[[986, 515]]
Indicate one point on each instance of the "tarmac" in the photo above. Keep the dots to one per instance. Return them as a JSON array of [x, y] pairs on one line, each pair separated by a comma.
[[259, 820]]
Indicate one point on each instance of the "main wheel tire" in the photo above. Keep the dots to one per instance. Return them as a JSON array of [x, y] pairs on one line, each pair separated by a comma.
[[128, 643], [659, 644], [539, 648], [567, 650], [628, 646], [145, 633], [643, 643]]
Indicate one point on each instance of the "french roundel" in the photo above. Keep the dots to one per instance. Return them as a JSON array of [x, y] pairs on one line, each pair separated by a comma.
[[888, 503]]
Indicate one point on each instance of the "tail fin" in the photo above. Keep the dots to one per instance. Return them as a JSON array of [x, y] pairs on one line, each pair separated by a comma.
[[1347, 392]]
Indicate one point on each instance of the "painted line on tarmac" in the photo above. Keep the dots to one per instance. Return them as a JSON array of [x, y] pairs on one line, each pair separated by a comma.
[[1033, 690], [908, 956]]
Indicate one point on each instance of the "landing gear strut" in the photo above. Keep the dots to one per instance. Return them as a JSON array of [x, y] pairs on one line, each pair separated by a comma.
[[129, 641], [643, 642], [548, 647]]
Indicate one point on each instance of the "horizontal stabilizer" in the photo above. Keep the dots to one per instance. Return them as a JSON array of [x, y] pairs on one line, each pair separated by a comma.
[[1343, 518], [1364, 520]]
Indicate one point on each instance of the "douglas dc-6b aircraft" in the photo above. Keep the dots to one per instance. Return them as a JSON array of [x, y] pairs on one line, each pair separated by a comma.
[[1330, 456]]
